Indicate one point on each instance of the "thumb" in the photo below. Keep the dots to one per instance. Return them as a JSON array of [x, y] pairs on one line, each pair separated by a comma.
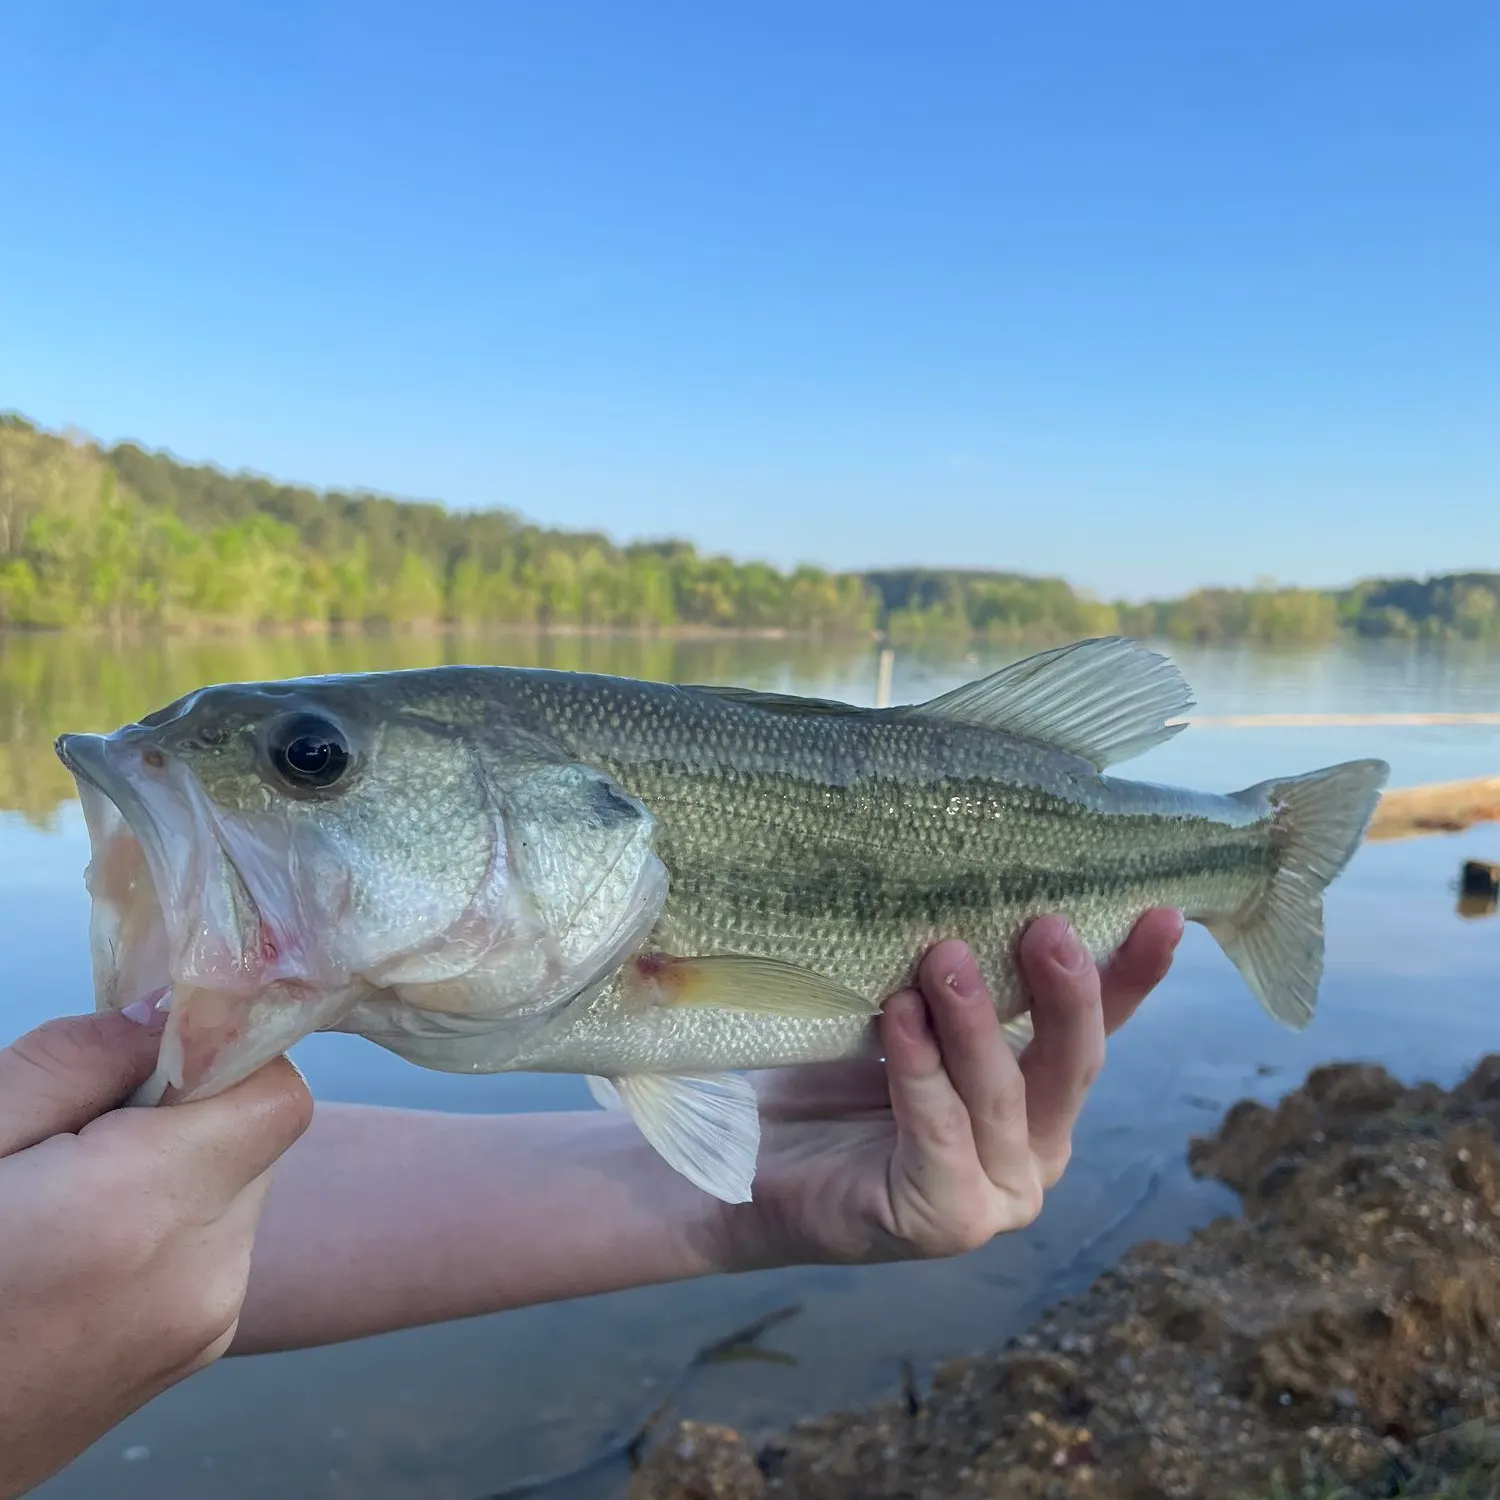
[[65, 1073]]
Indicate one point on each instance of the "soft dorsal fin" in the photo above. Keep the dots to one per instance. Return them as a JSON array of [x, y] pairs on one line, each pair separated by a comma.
[[1103, 700]]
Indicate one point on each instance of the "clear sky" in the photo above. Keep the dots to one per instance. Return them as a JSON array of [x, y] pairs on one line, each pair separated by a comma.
[[1150, 294]]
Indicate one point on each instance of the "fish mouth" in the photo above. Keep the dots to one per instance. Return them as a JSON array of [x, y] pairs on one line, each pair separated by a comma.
[[186, 914]]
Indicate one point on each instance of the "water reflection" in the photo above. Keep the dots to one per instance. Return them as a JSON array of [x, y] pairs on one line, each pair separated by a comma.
[[50, 685]]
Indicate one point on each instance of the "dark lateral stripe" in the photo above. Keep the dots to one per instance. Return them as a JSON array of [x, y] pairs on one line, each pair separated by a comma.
[[852, 890]]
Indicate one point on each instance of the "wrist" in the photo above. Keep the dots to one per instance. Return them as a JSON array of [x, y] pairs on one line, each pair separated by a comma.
[[700, 1234]]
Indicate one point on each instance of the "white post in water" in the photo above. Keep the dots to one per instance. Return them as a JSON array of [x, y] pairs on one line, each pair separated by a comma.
[[883, 675]]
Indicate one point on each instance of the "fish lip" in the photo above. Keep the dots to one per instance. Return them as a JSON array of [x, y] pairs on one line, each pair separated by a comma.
[[168, 847], [85, 756], [89, 758]]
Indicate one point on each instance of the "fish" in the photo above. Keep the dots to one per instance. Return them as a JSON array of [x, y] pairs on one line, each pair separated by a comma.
[[660, 887]]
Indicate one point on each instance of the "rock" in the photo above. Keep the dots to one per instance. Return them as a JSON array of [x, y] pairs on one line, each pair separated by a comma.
[[699, 1462]]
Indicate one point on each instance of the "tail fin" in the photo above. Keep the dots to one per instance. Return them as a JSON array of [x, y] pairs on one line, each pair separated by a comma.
[[1278, 944]]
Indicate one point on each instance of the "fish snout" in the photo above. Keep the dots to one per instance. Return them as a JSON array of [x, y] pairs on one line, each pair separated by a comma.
[[88, 756]]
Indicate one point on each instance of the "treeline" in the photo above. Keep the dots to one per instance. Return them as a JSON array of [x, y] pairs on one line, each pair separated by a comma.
[[922, 604], [121, 537]]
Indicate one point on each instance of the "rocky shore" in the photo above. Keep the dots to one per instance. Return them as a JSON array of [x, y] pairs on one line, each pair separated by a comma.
[[1341, 1338]]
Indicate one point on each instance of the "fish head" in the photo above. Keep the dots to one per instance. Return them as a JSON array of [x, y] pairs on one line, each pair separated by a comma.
[[349, 853], [266, 854]]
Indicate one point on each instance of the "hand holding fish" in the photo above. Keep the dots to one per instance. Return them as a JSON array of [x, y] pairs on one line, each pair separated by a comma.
[[127, 1233], [953, 1140]]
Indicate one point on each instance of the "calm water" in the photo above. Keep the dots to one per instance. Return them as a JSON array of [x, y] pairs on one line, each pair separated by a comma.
[[461, 1411]]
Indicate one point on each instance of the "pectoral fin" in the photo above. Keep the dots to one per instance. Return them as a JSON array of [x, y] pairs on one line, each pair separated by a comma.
[[706, 1126], [761, 986]]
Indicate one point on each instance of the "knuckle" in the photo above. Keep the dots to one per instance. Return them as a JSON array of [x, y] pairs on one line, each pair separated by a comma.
[[972, 1231], [1005, 1109], [55, 1048], [1029, 1198], [1056, 1165], [214, 1351], [219, 1307], [948, 1127], [208, 1316], [289, 1109], [973, 1234]]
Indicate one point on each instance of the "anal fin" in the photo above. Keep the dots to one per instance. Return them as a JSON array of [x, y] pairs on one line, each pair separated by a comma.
[[705, 1126], [603, 1092]]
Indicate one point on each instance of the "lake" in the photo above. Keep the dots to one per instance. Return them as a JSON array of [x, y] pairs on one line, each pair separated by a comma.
[[460, 1411]]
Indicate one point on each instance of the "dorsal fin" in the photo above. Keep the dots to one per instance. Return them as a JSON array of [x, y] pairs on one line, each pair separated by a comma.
[[1103, 700], [778, 703]]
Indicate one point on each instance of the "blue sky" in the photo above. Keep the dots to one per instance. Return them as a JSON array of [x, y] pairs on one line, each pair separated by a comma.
[[1148, 295]]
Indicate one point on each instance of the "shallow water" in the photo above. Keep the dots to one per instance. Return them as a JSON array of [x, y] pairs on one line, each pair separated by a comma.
[[463, 1410]]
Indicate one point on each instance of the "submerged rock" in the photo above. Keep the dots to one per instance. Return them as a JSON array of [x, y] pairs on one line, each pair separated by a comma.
[[1345, 1331]]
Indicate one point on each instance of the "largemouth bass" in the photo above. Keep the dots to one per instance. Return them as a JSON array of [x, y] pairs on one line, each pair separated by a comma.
[[487, 869]]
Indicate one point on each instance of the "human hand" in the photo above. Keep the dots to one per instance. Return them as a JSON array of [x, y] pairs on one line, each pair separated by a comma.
[[953, 1139], [127, 1232]]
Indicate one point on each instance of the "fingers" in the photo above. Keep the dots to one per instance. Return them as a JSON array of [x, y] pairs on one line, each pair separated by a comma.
[[221, 1145], [1067, 1048], [981, 1068], [1140, 964], [932, 1123], [62, 1075]]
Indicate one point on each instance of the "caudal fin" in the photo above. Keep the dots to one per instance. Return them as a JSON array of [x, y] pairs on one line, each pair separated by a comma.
[[1320, 819]]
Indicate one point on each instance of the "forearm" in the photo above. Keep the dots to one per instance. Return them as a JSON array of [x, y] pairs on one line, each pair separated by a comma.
[[380, 1219]]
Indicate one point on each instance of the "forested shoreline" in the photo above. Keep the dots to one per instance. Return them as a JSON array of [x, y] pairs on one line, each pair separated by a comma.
[[122, 538]]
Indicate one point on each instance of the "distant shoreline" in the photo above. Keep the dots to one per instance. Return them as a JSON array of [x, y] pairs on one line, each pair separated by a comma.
[[324, 629]]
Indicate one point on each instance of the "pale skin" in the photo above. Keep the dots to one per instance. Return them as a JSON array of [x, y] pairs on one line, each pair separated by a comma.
[[140, 1245]]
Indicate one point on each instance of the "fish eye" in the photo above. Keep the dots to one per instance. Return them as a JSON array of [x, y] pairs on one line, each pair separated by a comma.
[[307, 752]]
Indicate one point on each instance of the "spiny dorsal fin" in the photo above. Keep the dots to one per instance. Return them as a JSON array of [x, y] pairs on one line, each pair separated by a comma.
[[1103, 700], [776, 703]]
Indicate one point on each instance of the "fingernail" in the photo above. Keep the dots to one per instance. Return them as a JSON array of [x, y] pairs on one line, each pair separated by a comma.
[[147, 1012], [963, 978], [1181, 928], [1068, 953]]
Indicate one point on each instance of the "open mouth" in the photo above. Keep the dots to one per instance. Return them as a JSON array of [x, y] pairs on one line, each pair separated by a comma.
[[175, 921], [127, 928]]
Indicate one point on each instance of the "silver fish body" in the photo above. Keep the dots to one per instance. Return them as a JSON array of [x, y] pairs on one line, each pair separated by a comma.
[[488, 869]]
